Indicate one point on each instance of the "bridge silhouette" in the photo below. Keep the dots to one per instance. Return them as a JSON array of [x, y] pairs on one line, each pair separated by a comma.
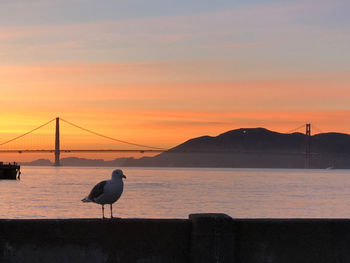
[[144, 148], [57, 150]]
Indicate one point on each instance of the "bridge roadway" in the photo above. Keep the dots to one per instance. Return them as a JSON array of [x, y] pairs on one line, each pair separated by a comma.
[[74, 151]]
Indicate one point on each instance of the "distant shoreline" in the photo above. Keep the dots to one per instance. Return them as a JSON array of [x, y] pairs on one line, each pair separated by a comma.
[[241, 148], [82, 162]]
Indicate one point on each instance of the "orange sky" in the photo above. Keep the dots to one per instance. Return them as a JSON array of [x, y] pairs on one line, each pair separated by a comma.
[[161, 104]]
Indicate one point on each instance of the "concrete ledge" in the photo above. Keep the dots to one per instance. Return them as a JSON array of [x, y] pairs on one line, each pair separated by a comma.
[[94, 240], [292, 240], [211, 238], [204, 238]]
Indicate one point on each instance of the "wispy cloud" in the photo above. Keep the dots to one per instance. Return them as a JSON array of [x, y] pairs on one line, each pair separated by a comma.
[[234, 45]]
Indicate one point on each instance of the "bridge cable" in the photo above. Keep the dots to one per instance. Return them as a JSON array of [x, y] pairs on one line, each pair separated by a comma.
[[317, 129], [294, 130], [37, 128], [107, 137]]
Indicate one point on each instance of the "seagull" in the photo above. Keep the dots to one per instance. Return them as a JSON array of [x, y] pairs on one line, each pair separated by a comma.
[[107, 192]]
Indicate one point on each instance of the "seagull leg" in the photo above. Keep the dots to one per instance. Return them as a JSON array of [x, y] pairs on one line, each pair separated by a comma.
[[111, 211], [103, 211]]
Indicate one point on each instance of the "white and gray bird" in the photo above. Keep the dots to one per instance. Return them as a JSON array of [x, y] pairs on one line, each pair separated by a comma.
[[107, 192]]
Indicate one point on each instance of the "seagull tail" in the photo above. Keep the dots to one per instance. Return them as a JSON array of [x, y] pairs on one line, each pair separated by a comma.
[[86, 200]]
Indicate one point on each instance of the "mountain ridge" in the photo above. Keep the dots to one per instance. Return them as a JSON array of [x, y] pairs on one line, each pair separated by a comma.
[[244, 147]]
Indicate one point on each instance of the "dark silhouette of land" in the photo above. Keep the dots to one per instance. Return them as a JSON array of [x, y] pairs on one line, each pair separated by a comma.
[[242, 148]]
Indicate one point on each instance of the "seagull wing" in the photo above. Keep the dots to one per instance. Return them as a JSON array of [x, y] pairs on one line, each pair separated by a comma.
[[97, 190]]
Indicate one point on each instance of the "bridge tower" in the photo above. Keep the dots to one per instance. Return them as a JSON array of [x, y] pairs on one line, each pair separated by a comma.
[[307, 145], [57, 143]]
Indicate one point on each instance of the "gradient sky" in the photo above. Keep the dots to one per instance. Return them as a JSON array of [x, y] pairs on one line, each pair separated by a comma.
[[159, 72]]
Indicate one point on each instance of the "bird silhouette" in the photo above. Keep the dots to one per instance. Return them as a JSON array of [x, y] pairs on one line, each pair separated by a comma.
[[107, 192]]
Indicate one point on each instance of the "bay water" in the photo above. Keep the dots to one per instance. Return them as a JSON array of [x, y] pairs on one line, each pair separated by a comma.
[[56, 192]]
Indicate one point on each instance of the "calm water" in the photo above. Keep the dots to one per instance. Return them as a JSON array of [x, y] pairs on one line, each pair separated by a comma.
[[174, 193]]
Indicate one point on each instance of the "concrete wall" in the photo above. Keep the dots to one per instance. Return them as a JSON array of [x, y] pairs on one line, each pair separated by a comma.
[[292, 240], [203, 238], [94, 240], [116, 240]]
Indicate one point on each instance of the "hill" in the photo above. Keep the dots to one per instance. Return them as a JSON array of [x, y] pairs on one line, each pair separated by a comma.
[[256, 148], [246, 147]]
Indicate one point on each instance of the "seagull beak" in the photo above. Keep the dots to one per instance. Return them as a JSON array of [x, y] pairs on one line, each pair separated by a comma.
[[123, 176]]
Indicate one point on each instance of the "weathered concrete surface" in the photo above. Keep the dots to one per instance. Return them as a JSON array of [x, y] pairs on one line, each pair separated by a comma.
[[203, 238], [211, 238], [292, 240], [94, 240]]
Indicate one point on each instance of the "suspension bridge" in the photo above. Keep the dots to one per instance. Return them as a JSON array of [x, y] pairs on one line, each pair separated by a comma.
[[57, 150]]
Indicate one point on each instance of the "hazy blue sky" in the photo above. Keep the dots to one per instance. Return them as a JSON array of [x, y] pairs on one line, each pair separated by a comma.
[[313, 32]]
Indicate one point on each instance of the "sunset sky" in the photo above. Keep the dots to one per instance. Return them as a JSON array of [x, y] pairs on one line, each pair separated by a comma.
[[159, 72]]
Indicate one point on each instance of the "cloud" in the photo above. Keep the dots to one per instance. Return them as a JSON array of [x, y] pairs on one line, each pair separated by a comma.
[[233, 45]]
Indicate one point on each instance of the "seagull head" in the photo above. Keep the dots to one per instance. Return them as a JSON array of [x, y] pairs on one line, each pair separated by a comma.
[[118, 174]]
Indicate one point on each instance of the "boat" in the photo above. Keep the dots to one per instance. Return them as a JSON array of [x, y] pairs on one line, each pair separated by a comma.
[[10, 171]]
